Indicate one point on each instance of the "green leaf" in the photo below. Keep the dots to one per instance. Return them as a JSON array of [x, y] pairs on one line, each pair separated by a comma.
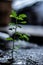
[[23, 22], [26, 37], [13, 14], [19, 18], [9, 39], [21, 36], [22, 16]]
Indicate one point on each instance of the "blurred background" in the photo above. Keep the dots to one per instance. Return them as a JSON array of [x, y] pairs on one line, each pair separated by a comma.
[[34, 20]]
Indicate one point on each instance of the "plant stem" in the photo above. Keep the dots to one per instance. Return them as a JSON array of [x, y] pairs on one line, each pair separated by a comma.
[[14, 39]]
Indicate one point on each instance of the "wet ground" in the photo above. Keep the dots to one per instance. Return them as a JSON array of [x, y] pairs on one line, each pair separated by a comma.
[[33, 55], [29, 56]]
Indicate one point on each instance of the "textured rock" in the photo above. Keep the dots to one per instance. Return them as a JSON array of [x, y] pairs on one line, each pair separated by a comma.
[[33, 56]]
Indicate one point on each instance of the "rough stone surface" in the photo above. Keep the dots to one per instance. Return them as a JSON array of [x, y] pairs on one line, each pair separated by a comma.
[[32, 56]]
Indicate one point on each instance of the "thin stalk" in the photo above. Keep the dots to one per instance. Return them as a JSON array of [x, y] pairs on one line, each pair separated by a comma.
[[14, 39]]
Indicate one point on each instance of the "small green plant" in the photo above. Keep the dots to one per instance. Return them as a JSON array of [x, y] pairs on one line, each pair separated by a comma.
[[17, 35], [19, 17]]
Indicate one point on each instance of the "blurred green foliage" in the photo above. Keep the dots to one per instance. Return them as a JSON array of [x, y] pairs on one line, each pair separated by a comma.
[[18, 17], [18, 35], [21, 36], [9, 39]]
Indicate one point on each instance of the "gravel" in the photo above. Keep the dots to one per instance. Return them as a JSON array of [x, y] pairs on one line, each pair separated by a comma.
[[33, 55], [25, 56]]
